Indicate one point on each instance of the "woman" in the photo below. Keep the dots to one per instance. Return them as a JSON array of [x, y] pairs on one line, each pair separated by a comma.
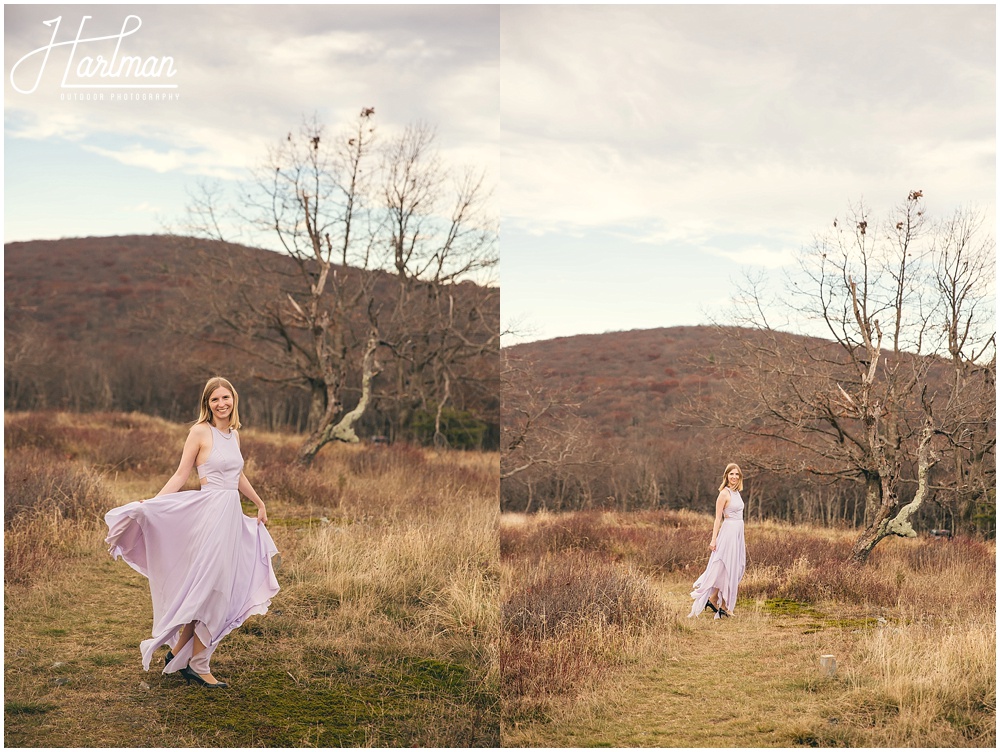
[[716, 588], [208, 564]]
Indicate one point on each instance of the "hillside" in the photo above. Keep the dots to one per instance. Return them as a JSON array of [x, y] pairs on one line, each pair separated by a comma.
[[128, 323], [638, 395], [629, 382]]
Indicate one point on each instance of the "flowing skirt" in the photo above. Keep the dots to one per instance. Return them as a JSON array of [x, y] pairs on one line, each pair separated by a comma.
[[725, 568], [205, 560]]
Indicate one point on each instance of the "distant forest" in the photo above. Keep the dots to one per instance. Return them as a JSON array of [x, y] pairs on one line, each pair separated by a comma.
[[618, 421], [132, 323]]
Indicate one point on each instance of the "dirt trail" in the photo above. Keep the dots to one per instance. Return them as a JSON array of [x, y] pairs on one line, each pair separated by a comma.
[[749, 681]]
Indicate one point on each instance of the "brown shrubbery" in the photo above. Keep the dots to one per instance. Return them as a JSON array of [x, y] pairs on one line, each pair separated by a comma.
[[572, 609], [39, 482], [653, 541], [585, 593], [51, 506], [566, 592], [37, 429]]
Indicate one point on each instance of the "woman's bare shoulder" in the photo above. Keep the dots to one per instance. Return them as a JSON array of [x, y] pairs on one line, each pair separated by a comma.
[[201, 430]]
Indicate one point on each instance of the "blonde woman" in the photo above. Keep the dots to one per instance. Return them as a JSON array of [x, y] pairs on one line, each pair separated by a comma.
[[208, 564], [717, 586]]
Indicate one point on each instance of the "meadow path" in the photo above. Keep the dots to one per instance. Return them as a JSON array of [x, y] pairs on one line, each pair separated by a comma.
[[74, 678], [750, 681]]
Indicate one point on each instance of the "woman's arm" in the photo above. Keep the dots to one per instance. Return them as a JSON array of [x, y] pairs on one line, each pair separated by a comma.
[[192, 445], [720, 507], [247, 490]]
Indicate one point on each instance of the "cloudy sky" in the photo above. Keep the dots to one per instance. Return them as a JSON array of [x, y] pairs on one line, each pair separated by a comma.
[[643, 155], [650, 153], [245, 77]]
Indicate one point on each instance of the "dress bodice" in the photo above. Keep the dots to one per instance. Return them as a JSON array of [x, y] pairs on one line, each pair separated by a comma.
[[224, 464], [734, 509]]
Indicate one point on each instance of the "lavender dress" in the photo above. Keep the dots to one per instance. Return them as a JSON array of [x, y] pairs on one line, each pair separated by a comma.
[[206, 561], [727, 562]]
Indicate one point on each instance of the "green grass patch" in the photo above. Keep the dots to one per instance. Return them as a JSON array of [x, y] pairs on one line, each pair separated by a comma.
[[789, 607], [852, 623], [346, 706], [28, 708]]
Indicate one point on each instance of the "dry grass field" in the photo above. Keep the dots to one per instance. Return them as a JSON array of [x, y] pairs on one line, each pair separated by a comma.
[[383, 634], [596, 649]]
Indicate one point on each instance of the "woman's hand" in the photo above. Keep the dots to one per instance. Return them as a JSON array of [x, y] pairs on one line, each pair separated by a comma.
[[712, 545], [261, 514]]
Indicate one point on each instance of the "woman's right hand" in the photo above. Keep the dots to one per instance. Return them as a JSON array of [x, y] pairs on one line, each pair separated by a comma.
[[712, 545]]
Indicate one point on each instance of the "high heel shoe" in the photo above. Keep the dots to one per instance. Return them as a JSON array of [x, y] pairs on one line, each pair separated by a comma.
[[170, 657], [723, 612], [709, 604], [191, 676]]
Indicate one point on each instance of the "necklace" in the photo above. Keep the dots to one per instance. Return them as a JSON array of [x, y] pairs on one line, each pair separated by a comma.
[[226, 436]]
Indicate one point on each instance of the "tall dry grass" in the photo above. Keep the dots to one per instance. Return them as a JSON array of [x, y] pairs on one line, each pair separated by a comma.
[[390, 556], [574, 609], [920, 683], [51, 510], [921, 612]]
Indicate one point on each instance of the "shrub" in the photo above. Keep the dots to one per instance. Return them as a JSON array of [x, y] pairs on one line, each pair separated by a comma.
[[295, 485], [373, 461], [36, 429], [37, 481], [149, 451], [570, 590], [52, 508]]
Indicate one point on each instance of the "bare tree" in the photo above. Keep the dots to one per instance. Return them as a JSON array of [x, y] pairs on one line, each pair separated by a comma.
[[357, 223], [870, 401], [539, 429], [440, 233], [963, 274], [302, 320]]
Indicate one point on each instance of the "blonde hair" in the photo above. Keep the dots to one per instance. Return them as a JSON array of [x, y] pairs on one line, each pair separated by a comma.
[[206, 414], [725, 477]]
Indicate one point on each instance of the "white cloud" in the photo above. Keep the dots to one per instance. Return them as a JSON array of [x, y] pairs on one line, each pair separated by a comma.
[[757, 255], [691, 121], [143, 207], [248, 74]]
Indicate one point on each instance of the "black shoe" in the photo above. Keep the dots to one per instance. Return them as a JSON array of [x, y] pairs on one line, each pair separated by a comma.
[[192, 676], [709, 604], [170, 657], [723, 612]]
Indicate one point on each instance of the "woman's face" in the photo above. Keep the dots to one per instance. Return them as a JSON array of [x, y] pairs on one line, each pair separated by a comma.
[[734, 477], [220, 402]]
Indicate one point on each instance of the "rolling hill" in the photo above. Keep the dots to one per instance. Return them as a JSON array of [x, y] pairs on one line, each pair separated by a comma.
[[638, 396], [128, 323]]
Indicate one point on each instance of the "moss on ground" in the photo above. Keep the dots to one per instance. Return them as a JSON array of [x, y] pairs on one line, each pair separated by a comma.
[[344, 706], [789, 607]]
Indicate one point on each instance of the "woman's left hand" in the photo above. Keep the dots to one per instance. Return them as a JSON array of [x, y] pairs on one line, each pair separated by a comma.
[[261, 514]]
